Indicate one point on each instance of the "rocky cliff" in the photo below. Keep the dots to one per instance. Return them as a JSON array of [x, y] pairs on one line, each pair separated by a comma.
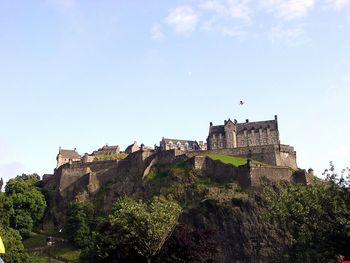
[[218, 197]]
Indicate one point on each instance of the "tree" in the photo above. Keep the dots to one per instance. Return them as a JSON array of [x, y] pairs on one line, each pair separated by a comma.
[[317, 217], [144, 226], [15, 252], [79, 220], [27, 201], [12, 240]]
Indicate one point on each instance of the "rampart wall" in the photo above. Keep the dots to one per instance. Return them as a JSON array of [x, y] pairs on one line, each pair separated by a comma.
[[274, 154], [248, 175], [272, 174], [77, 175]]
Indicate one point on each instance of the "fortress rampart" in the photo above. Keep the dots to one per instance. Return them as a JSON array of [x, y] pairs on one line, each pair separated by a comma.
[[249, 175], [274, 154]]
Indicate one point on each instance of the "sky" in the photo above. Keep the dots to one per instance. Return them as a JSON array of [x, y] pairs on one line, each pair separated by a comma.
[[85, 73]]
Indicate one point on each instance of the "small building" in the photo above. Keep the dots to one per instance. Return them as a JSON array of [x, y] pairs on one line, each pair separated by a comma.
[[202, 146], [184, 145], [132, 148], [233, 134], [67, 156], [107, 150]]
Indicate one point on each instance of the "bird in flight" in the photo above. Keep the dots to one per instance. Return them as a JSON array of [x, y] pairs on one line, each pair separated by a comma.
[[241, 102]]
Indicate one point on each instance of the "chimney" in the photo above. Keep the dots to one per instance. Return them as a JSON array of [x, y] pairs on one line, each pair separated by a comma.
[[211, 124], [246, 120]]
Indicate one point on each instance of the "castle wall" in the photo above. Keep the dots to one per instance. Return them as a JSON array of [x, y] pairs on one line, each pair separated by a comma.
[[257, 137], [283, 155], [265, 154], [169, 156], [224, 173], [69, 176], [274, 174], [286, 156]]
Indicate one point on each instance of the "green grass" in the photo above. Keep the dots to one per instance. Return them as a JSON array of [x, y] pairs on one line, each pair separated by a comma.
[[235, 161], [116, 156], [161, 171], [35, 240], [67, 252], [36, 257]]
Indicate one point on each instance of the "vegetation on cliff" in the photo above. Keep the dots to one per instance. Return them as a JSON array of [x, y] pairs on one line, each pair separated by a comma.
[[180, 214], [22, 207], [233, 160]]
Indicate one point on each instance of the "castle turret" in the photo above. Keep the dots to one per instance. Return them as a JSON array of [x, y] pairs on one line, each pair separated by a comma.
[[230, 134]]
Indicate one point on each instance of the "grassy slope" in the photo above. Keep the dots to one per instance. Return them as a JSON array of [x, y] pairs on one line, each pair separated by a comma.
[[35, 240], [236, 161], [66, 250]]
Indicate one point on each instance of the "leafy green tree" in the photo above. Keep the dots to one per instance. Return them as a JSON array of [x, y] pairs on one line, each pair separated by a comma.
[[317, 217], [27, 201], [80, 217], [145, 226], [15, 252]]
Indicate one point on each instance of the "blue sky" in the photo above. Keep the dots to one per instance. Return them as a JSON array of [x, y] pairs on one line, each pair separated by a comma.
[[82, 74]]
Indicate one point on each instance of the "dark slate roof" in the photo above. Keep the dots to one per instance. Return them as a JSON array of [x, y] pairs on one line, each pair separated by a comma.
[[217, 129], [109, 147], [69, 153], [271, 124]]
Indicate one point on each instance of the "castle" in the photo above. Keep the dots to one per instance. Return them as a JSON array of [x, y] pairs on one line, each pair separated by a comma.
[[233, 134], [258, 141], [255, 140]]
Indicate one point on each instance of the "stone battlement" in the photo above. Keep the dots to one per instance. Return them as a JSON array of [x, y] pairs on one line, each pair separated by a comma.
[[273, 154]]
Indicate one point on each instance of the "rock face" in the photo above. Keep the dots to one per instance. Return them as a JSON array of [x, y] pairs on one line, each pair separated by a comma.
[[217, 196]]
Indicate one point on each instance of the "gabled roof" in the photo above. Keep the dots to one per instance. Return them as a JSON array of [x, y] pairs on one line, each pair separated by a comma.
[[129, 148], [271, 124], [106, 147], [217, 129], [69, 153]]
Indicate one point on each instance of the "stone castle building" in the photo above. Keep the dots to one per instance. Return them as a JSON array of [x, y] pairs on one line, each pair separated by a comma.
[[132, 148], [234, 135], [183, 145], [107, 150], [67, 156]]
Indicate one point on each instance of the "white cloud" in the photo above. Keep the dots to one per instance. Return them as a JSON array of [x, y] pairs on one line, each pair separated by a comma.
[[183, 18], [239, 9], [288, 9], [289, 36], [233, 32], [63, 6], [337, 4], [156, 32], [228, 8]]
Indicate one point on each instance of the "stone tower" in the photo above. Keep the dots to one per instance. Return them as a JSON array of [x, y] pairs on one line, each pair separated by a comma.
[[230, 134]]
